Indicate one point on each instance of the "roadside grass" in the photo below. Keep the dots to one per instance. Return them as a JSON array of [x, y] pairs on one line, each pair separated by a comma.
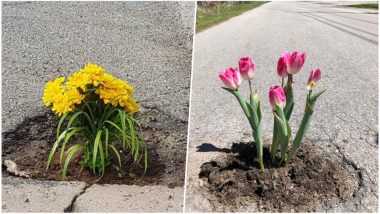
[[374, 6], [214, 13]]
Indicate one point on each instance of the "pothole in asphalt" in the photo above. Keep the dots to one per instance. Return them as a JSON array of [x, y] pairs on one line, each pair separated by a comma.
[[312, 179], [30, 143]]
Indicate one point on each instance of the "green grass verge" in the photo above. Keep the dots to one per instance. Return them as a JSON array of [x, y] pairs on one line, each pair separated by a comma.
[[210, 16], [374, 6]]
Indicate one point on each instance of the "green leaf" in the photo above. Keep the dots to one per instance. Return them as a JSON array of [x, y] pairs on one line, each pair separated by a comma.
[[259, 110], [71, 151], [105, 116], [95, 151], [116, 153], [90, 111], [76, 115], [285, 143], [251, 100], [106, 141], [67, 138], [304, 126], [274, 146], [289, 98], [314, 97], [253, 120], [242, 103], [55, 145], [145, 160], [281, 123], [59, 125], [289, 111], [123, 126], [101, 153]]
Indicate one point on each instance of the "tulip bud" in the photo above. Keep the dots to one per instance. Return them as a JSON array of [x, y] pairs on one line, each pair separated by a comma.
[[231, 78], [295, 62], [247, 68], [277, 97], [313, 78], [281, 65]]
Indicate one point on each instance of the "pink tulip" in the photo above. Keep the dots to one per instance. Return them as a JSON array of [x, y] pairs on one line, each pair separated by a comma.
[[295, 62], [231, 78], [247, 68], [282, 65], [313, 78], [277, 97]]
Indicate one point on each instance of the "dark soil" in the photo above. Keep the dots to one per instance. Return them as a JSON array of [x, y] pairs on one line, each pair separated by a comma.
[[165, 138], [235, 180]]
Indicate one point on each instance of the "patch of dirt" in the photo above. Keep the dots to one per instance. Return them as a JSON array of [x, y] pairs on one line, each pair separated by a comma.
[[312, 179], [165, 138]]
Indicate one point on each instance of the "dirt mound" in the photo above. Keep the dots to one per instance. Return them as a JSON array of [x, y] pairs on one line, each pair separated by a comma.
[[30, 143], [236, 181]]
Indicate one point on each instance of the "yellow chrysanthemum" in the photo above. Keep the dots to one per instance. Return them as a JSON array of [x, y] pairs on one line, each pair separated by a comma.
[[79, 80], [75, 97], [52, 90], [119, 93], [96, 73], [62, 104], [64, 97], [131, 106]]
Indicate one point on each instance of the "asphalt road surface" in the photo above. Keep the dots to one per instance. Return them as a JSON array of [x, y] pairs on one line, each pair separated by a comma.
[[147, 44], [341, 41]]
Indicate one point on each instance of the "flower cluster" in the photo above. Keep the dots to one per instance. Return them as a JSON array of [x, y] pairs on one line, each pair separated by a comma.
[[281, 99], [64, 96], [98, 108]]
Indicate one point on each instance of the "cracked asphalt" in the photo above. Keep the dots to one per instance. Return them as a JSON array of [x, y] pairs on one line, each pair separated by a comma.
[[341, 41], [148, 44]]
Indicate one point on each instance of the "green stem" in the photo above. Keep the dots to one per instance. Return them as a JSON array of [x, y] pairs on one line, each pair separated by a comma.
[[289, 98], [274, 146], [261, 164], [250, 87], [242, 103], [305, 123], [253, 113], [259, 146], [282, 131]]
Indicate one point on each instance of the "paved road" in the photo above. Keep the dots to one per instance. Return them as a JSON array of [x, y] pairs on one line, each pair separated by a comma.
[[341, 41], [149, 44]]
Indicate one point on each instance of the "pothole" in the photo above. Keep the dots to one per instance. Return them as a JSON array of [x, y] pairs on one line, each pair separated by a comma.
[[29, 145], [234, 181]]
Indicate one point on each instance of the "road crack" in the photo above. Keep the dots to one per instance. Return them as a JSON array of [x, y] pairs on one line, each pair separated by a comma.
[[69, 209]]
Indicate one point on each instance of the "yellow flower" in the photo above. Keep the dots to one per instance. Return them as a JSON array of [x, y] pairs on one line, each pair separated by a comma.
[[64, 97], [96, 73], [52, 90], [74, 97], [62, 104], [131, 106], [79, 80], [119, 94]]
